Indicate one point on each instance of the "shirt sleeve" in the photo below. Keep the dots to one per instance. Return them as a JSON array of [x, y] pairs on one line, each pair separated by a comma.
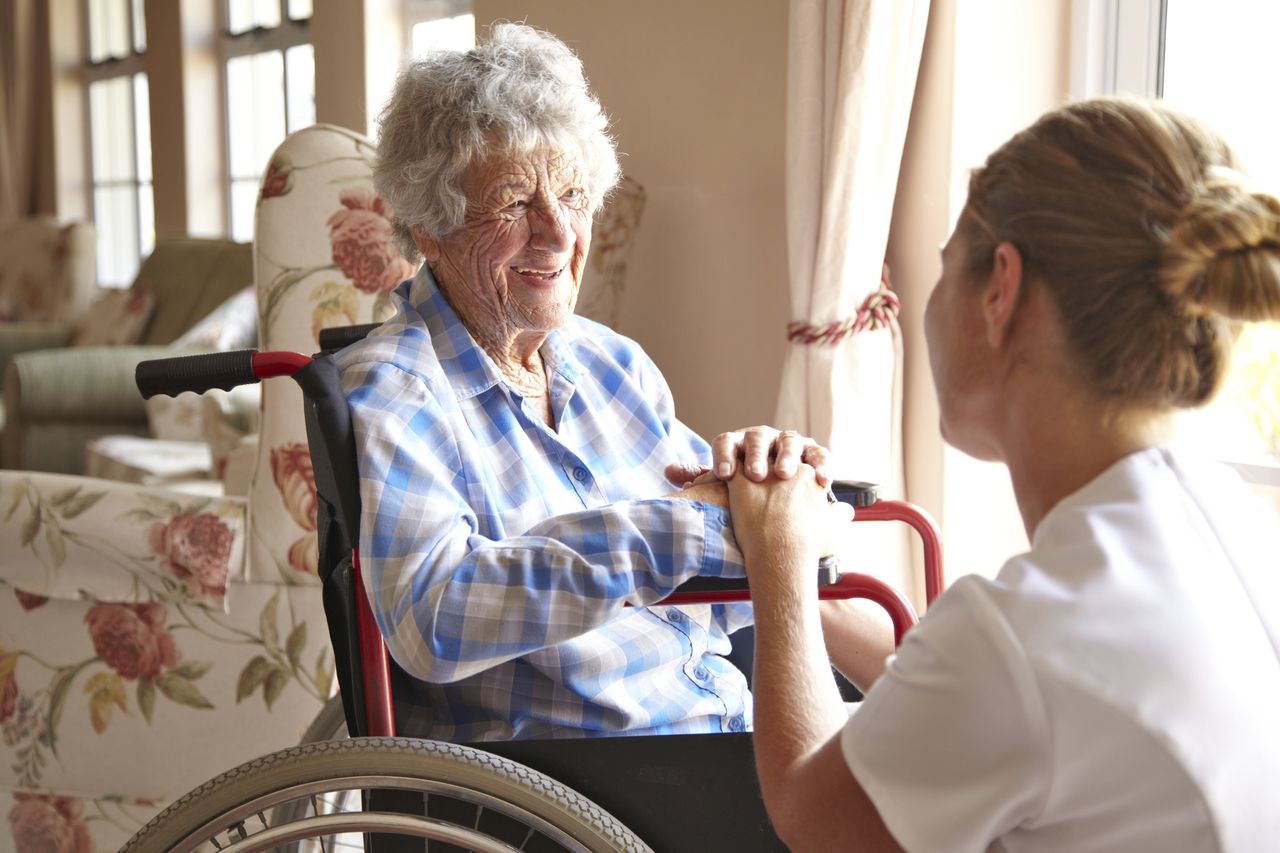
[[729, 617], [951, 743], [452, 602]]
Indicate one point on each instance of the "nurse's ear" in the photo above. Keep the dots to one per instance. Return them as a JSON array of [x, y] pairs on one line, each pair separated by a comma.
[[1002, 294], [429, 246]]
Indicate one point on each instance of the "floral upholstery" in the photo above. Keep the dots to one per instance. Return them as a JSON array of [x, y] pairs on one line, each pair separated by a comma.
[[139, 624], [116, 318], [47, 270], [326, 261], [612, 238]]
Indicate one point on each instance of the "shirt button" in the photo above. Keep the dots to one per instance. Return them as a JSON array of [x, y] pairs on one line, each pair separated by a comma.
[[736, 724], [675, 616], [701, 673], [580, 474]]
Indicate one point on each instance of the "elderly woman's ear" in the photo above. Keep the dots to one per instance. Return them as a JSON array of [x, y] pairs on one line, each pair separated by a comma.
[[429, 246]]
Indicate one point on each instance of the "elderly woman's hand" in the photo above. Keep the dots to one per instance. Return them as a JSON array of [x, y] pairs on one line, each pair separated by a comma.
[[757, 446]]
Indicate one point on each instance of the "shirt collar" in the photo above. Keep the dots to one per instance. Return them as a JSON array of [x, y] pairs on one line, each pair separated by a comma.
[[470, 369]]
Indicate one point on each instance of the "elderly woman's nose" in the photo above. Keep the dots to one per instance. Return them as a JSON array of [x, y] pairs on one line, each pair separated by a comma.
[[550, 228]]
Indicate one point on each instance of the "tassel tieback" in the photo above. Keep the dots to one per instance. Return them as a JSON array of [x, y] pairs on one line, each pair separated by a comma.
[[877, 312]]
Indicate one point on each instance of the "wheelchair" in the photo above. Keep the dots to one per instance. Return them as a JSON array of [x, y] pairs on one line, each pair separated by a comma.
[[373, 790]]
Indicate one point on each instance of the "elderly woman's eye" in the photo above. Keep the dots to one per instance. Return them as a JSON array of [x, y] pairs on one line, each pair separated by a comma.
[[518, 204], [574, 195]]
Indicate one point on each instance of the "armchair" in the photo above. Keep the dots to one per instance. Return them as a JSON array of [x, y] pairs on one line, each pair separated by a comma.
[[139, 625], [58, 397], [47, 272]]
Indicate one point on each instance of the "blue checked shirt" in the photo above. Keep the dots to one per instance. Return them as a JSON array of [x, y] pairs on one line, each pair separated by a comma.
[[499, 553]]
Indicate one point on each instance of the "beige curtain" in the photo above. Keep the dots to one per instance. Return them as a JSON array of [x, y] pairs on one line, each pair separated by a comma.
[[21, 73], [851, 79]]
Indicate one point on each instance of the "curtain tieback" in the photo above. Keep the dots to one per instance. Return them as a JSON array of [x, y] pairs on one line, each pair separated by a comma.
[[877, 312]]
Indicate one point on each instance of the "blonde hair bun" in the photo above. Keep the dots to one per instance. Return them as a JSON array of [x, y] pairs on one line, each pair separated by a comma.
[[1223, 251]]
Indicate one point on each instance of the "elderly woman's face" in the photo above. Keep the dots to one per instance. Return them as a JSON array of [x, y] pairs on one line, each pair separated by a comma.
[[515, 264]]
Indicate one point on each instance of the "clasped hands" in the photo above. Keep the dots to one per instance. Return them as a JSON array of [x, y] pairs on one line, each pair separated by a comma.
[[775, 485]]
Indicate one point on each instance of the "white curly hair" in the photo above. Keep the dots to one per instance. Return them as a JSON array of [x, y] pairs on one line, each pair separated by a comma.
[[520, 91]]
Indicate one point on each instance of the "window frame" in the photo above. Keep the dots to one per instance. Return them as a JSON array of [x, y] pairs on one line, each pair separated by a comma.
[[1117, 46], [289, 33], [127, 67], [421, 11]]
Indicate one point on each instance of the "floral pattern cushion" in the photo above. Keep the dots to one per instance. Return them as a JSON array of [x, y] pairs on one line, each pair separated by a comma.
[[175, 418], [322, 257], [232, 325], [100, 697], [46, 270], [612, 238], [75, 537], [115, 318], [151, 462]]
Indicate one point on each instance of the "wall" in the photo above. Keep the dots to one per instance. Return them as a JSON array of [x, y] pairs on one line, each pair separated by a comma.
[[697, 96]]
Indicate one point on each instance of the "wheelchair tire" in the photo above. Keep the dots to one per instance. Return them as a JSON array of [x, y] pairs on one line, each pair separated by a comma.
[[231, 810]]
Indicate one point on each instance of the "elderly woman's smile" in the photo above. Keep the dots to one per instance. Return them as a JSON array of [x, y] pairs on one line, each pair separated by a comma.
[[515, 264]]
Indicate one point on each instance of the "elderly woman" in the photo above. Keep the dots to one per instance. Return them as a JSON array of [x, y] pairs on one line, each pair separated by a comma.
[[514, 458], [1114, 688]]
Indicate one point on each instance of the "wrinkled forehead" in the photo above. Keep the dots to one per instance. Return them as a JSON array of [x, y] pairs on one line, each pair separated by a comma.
[[523, 168]]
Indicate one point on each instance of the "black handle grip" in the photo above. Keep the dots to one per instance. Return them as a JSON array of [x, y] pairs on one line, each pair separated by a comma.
[[855, 492], [197, 373], [337, 337]]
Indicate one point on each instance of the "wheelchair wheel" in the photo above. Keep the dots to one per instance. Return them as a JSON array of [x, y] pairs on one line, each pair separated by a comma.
[[458, 797]]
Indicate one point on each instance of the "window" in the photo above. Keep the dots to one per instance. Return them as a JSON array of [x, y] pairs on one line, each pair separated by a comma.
[[270, 92], [119, 138], [1214, 56], [1206, 59], [439, 25]]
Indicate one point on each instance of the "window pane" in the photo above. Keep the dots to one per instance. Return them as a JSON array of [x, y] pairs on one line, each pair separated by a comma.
[[455, 33], [139, 27], [146, 220], [1209, 49], [142, 125], [244, 198], [299, 9], [115, 218], [301, 80], [255, 111], [109, 29], [244, 15], [111, 126]]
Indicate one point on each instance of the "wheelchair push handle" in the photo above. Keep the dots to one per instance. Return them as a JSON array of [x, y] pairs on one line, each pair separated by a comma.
[[204, 372]]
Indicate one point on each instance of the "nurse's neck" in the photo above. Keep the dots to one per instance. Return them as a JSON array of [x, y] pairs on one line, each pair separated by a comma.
[[1061, 439]]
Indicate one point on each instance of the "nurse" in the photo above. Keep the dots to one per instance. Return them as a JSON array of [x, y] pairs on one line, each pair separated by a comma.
[[1116, 687]]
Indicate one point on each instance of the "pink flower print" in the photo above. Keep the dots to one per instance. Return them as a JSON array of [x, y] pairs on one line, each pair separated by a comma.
[[360, 236], [304, 556], [8, 685], [196, 548], [132, 638], [278, 180], [29, 600], [291, 469], [46, 824]]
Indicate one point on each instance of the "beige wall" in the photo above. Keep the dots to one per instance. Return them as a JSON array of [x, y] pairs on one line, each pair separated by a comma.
[[697, 95]]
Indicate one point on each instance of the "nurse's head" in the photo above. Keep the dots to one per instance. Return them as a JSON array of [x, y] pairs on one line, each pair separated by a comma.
[[1133, 224]]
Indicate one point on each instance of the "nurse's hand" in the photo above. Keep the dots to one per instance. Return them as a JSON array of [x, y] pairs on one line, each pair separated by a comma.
[[783, 526]]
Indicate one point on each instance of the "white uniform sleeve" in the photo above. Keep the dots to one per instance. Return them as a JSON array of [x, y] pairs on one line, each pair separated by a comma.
[[952, 743]]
